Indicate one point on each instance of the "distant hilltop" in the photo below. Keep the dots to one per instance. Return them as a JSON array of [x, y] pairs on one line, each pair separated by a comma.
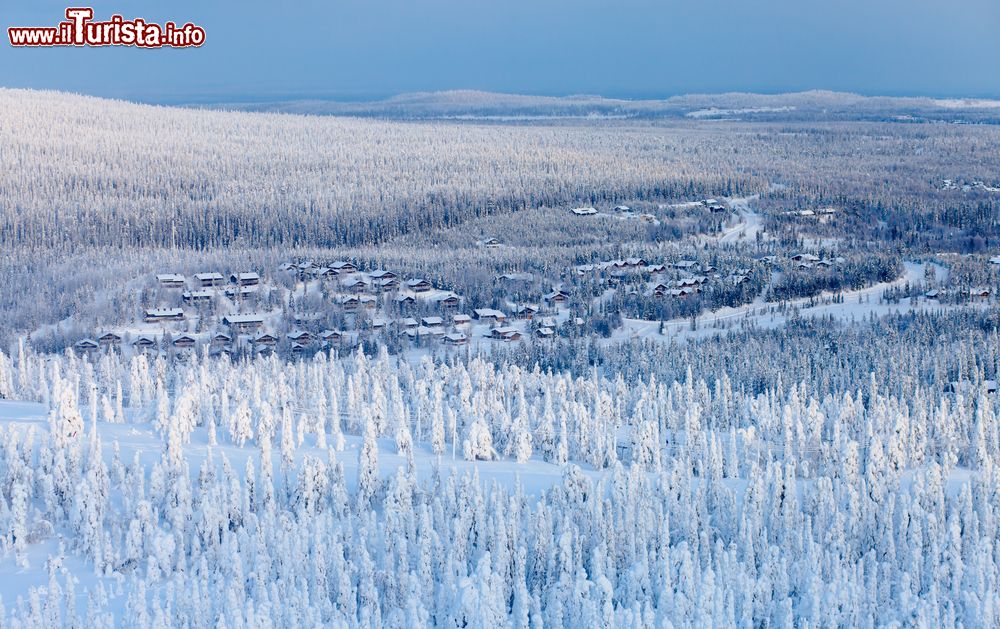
[[810, 105]]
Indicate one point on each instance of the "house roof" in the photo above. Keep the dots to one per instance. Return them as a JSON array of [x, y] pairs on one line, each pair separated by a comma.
[[485, 313], [242, 318], [164, 312]]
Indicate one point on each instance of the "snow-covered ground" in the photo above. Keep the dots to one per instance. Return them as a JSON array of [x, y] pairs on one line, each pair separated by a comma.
[[141, 442], [855, 305], [749, 225]]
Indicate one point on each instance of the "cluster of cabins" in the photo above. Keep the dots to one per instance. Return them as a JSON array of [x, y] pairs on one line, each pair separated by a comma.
[[695, 275], [354, 291], [714, 206], [979, 293], [618, 209], [348, 279], [111, 341], [202, 288], [823, 214], [806, 261]]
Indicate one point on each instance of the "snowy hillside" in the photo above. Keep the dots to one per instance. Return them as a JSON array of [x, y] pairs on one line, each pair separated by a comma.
[[537, 362]]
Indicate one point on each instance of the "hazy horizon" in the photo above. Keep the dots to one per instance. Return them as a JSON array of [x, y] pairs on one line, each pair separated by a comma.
[[636, 49]]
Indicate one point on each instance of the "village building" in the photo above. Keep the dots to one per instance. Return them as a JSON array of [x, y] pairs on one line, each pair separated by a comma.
[[408, 323], [404, 300], [350, 303], [170, 280], [548, 322], [461, 319], [326, 273], [264, 339], [333, 337], [109, 339], [240, 292], [584, 211], [206, 280], [489, 314], [86, 346], [556, 297], [160, 315], [525, 311], [450, 300], [492, 243], [355, 285], [505, 334], [306, 318], [300, 336], [198, 296], [144, 343], [432, 322], [455, 339], [423, 332], [545, 333], [344, 268], [244, 279], [419, 285], [243, 323], [184, 341], [660, 290]]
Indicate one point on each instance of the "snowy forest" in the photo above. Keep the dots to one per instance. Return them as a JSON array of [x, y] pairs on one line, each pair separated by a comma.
[[343, 492], [267, 369]]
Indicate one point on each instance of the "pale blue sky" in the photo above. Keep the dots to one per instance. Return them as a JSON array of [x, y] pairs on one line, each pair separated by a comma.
[[625, 48]]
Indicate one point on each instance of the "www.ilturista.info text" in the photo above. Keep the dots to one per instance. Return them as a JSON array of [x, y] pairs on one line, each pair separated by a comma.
[[79, 29]]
